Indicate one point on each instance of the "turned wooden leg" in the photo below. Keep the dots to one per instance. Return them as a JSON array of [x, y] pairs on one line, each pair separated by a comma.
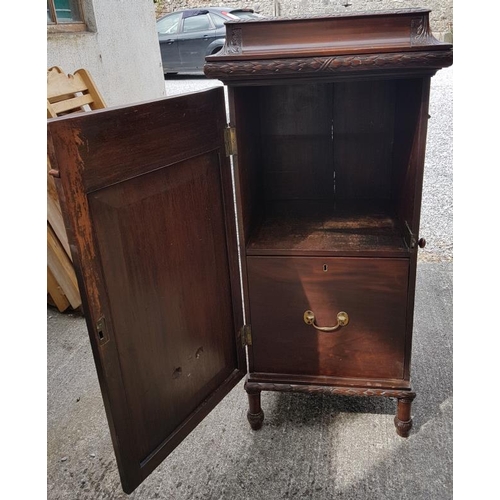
[[403, 420], [255, 414]]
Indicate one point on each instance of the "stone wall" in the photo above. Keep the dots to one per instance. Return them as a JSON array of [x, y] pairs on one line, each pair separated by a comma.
[[441, 15]]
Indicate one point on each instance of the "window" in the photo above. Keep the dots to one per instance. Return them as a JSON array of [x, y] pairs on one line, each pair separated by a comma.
[[169, 24], [218, 20], [64, 15], [196, 23]]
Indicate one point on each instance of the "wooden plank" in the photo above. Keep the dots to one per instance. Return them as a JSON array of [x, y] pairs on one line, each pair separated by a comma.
[[97, 99], [56, 294], [59, 84], [62, 269], [54, 215], [71, 104]]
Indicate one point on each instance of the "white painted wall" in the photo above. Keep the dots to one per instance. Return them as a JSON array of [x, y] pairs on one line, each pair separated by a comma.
[[120, 50]]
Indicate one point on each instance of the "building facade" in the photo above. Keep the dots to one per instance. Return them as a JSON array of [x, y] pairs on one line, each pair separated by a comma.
[[115, 41]]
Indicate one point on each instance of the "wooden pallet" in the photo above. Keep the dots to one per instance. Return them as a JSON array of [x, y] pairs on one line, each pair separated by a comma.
[[72, 93]]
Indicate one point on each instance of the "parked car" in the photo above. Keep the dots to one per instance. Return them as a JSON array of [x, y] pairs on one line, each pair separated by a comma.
[[187, 36]]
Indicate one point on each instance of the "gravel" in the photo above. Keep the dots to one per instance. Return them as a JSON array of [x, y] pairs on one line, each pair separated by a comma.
[[436, 224]]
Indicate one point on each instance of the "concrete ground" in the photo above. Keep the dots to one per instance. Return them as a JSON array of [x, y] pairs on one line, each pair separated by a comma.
[[311, 446]]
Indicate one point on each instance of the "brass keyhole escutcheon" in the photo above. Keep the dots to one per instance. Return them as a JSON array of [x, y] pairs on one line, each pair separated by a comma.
[[342, 320]]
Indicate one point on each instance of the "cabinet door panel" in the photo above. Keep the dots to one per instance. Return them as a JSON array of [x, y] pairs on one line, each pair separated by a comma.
[[155, 252]]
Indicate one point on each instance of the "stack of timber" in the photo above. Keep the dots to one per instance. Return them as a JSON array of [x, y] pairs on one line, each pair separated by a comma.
[[72, 93]]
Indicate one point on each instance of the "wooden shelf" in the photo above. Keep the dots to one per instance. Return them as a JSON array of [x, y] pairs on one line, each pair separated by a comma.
[[298, 228]]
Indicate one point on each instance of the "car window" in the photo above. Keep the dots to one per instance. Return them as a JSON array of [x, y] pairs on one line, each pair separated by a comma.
[[169, 24], [246, 15], [196, 23], [218, 20]]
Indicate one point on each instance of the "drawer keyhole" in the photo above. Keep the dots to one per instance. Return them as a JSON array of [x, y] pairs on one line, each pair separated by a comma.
[[325, 267]]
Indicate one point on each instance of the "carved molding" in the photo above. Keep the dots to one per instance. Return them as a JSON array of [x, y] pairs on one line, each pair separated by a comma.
[[334, 15], [231, 70], [420, 32], [233, 43], [339, 391]]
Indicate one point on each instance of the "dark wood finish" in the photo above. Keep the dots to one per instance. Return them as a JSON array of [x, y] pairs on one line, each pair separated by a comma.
[[159, 288], [403, 420], [372, 292], [396, 43], [325, 229], [330, 118], [294, 379], [363, 135], [375, 32], [245, 117], [255, 414], [343, 123], [296, 133], [339, 391]]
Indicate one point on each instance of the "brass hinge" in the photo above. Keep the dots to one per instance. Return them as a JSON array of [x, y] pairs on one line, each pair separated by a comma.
[[409, 237], [246, 335], [230, 141]]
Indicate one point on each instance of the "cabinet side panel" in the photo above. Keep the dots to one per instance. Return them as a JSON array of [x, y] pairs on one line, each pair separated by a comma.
[[412, 108], [408, 161], [245, 116]]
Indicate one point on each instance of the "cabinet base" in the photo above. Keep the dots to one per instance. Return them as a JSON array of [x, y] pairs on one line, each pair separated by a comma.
[[402, 420]]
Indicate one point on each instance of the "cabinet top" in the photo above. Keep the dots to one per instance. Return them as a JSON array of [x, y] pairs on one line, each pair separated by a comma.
[[354, 41]]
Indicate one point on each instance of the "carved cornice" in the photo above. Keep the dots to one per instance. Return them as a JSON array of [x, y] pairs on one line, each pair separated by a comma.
[[354, 13], [275, 68]]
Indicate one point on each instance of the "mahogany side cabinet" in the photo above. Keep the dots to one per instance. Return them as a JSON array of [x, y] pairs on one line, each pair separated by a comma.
[[287, 237]]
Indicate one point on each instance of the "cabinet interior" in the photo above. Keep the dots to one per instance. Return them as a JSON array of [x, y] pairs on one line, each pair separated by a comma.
[[326, 168]]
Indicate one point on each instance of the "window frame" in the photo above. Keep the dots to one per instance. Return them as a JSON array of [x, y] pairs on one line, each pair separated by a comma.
[[58, 27]]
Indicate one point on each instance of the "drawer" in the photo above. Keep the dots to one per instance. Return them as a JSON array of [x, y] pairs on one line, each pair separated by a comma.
[[373, 292]]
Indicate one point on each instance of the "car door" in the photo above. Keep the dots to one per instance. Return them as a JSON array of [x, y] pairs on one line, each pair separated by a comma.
[[148, 204], [197, 33], [168, 33]]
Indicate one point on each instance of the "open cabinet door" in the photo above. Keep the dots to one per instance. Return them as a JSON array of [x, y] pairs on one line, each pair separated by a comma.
[[147, 197]]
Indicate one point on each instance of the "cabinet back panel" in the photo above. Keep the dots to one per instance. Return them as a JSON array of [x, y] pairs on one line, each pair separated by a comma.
[[296, 141], [363, 125]]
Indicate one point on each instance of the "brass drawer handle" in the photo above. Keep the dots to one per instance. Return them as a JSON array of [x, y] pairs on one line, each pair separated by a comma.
[[342, 320]]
